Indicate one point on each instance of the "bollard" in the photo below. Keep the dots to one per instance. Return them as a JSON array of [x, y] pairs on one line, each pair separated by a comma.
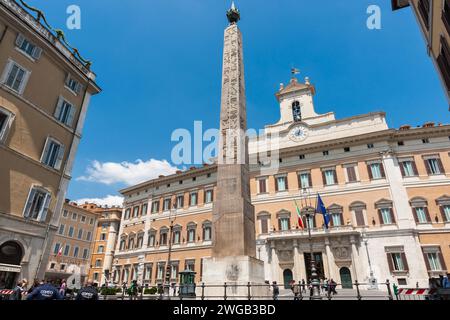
[[389, 290], [225, 293], [357, 290], [249, 291]]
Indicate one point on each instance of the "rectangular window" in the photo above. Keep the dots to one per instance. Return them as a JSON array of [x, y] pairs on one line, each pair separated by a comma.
[[264, 226], [75, 252], [56, 250], [284, 224], [351, 174], [61, 229], [89, 236], [71, 230], [66, 250], [434, 261], [376, 171], [305, 180], [103, 236], [191, 235], [281, 183], [174, 271], [176, 237], [336, 219], [209, 196], [155, 206], [6, 119], [180, 201], [167, 204], [160, 273], [148, 272], [53, 154], [65, 112], [207, 234], [386, 216], [151, 240], [262, 183], [359, 216], [408, 168], [398, 262], [74, 216], [329, 177], [194, 199], [434, 166], [15, 77], [27, 47], [85, 253], [144, 209], [163, 239], [65, 213], [446, 212], [421, 215], [98, 263], [80, 234], [37, 205], [83, 219], [424, 10], [135, 212], [91, 221], [443, 59], [73, 84]]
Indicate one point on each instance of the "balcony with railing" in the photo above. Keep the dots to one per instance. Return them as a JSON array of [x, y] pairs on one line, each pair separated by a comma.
[[315, 232]]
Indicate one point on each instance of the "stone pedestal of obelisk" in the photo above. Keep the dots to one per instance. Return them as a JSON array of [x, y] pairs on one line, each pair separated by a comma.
[[233, 258]]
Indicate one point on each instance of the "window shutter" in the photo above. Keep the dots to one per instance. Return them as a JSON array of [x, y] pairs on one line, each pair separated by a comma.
[[279, 224], [359, 217], [351, 173], [390, 263], [299, 181], [380, 216], [59, 107], [78, 88], [441, 208], [37, 52], [71, 116], [26, 211], [427, 213], [310, 180], [383, 173], [60, 158], [324, 178], [190, 199], [427, 166], [289, 223], [331, 220], [335, 176], [391, 211], [276, 184], [369, 170], [45, 151], [405, 262], [19, 40], [402, 169], [341, 216], [425, 258], [43, 212], [441, 259], [416, 218], [6, 71], [416, 172], [66, 82], [24, 82], [441, 167], [286, 183]]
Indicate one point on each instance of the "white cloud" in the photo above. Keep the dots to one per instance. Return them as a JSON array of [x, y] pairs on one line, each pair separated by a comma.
[[108, 200], [127, 173]]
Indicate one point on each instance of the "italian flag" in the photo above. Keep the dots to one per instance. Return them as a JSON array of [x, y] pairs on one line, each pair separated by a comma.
[[300, 220], [60, 252]]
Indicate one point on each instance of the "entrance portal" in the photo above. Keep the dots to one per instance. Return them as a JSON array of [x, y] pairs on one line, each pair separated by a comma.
[[10, 258], [287, 278], [319, 265], [346, 278]]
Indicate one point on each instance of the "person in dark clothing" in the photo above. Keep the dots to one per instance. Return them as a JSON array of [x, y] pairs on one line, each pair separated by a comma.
[[303, 286], [18, 290], [45, 292], [89, 292], [276, 290]]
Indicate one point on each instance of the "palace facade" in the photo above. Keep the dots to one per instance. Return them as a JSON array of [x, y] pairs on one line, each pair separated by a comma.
[[387, 191]]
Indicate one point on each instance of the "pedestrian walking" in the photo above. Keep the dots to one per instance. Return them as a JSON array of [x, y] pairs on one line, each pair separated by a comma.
[[63, 288], [133, 290], [303, 286], [296, 291], [89, 292], [276, 290], [333, 285], [46, 291]]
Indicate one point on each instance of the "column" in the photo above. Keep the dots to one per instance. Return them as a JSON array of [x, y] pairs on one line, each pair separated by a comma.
[[274, 262], [109, 250], [355, 257], [330, 259]]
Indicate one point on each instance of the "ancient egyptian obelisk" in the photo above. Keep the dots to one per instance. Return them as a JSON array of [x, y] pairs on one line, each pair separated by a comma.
[[234, 247]]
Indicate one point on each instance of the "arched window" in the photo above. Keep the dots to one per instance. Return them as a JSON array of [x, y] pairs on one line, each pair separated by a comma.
[[11, 253], [296, 111]]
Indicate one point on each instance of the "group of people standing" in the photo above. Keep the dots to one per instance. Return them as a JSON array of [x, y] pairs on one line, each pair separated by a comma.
[[298, 289], [47, 290]]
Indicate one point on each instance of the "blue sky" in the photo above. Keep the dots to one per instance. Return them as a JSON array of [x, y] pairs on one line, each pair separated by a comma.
[[159, 64]]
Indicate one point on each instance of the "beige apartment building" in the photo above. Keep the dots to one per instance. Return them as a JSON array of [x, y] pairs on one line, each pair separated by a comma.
[[387, 191], [45, 90], [73, 245], [105, 240], [433, 17]]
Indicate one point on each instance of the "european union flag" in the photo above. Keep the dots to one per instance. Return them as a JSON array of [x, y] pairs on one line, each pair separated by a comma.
[[322, 210]]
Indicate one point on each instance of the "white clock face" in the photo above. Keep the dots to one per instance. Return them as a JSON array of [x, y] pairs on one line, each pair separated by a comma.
[[298, 133]]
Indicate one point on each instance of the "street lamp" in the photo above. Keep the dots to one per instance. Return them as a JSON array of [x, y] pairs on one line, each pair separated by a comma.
[[166, 285], [315, 283]]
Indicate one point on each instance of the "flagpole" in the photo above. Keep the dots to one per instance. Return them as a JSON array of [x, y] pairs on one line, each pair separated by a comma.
[[314, 276]]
